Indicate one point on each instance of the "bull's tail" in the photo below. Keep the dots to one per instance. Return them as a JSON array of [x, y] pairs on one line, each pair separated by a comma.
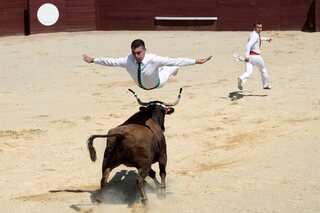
[[91, 149]]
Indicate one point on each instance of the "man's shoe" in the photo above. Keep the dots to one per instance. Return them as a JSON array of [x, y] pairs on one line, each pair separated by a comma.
[[267, 87], [240, 84]]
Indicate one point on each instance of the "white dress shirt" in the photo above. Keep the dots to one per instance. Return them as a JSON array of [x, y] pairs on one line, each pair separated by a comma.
[[149, 67], [254, 43]]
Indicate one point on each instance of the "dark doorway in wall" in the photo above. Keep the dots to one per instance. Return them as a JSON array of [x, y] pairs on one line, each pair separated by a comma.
[[310, 23], [26, 22]]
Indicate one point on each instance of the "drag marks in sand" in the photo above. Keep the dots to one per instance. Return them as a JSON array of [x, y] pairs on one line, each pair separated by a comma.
[[64, 123], [24, 134], [57, 195], [221, 164], [222, 151], [301, 119]]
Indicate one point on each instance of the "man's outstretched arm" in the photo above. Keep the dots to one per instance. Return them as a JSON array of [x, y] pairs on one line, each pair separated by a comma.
[[203, 60], [87, 58]]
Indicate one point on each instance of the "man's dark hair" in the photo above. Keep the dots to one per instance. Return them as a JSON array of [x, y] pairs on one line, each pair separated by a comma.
[[137, 43], [257, 23]]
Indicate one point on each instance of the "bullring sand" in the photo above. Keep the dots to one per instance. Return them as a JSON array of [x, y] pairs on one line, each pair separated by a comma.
[[228, 150]]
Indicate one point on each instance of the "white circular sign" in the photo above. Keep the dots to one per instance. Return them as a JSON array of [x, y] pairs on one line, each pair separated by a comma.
[[48, 14]]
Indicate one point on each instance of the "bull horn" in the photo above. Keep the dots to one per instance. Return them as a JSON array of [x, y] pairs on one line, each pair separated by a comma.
[[138, 99], [177, 101]]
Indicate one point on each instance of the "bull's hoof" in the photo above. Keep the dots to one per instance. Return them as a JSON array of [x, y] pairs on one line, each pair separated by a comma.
[[98, 200], [144, 201], [161, 194]]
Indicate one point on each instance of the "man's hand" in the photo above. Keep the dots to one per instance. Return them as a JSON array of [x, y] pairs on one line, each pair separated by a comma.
[[203, 60], [269, 40], [87, 58], [246, 59]]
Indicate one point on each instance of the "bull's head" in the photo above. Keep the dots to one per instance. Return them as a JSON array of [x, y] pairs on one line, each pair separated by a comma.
[[159, 109]]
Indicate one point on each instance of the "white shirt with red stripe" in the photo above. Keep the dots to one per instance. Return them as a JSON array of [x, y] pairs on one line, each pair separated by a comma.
[[254, 43]]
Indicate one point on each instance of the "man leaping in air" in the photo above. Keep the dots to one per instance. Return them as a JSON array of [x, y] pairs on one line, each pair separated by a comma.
[[148, 71]]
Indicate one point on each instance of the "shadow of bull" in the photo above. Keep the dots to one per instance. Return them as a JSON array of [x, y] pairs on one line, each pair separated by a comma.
[[120, 190]]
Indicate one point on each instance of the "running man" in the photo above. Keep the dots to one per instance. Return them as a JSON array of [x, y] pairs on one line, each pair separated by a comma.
[[253, 57]]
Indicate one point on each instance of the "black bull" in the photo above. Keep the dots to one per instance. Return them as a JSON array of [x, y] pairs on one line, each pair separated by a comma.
[[139, 142]]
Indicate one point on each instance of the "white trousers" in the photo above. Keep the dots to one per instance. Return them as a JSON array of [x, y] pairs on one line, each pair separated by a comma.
[[164, 74], [258, 61]]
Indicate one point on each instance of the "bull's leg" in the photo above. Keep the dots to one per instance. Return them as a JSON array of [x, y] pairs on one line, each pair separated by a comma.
[[162, 190], [142, 174], [152, 174], [103, 182]]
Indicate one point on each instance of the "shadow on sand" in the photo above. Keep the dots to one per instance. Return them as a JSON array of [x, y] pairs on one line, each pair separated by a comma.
[[121, 189], [236, 95]]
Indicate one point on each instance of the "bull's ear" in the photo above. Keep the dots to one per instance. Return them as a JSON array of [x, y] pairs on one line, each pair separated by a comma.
[[141, 108], [170, 110]]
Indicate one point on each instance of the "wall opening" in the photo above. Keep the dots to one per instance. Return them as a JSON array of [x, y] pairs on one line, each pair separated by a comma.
[[26, 22], [310, 23]]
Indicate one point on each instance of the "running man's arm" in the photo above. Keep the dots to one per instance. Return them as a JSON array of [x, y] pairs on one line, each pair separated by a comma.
[[266, 39], [252, 40]]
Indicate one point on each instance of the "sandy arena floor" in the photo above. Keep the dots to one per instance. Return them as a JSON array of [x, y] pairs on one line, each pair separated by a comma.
[[228, 150]]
